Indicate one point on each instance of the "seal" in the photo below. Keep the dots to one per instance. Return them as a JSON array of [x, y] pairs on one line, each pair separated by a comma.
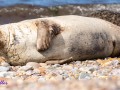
[[59, 39]]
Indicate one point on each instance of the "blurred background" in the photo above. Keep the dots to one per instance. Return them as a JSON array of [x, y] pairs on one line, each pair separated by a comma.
[[17, 10], [55, 2]]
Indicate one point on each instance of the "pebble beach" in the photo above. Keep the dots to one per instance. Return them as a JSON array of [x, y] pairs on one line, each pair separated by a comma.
[[94, 74], [98, 74]]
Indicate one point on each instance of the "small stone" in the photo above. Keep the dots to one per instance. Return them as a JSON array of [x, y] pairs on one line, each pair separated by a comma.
[[74, 70], [25, 68], [59, 77], [65, 75], [7, 74], [5, 64], [29, 72], [67, 67], [11, 73], [2, 68], [103, 72], [115, 72], [67, 79], [20, 73], [33, 64], [36, 71], [41, 79], [53, 79], [2, 74], [109, 62], [47, 77], [84, 75], [43, 64], [92, 69], [56, 65], [42, 70], [2, 59], [60, 72], [114, 62], [32, 79], [89, 68]]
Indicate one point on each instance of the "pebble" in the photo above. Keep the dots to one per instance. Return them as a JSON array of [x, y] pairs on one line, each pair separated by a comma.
[[84, 75], [9, 74], [37, 71], [33, 65], [65, 75], [89, 68], [114, 63], [56, 65], [25, 68], [67, 67], [59, 77], [42, 70], [60, 71], [115, 72], [3, 68], [41, 79], [67, 79], [43, 65], [2, 74], [5, 64], [32, 79], [42, 73], [29, 72], [74, 70]]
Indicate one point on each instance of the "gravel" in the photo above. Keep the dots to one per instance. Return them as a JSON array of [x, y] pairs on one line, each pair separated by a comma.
[[62, 77], [3, 68]]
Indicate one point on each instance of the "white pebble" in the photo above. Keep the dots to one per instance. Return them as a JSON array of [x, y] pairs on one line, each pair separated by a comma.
[[2, 68]]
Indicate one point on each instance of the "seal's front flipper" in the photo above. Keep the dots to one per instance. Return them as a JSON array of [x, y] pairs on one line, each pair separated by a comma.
[[45, 32], [59, 61]]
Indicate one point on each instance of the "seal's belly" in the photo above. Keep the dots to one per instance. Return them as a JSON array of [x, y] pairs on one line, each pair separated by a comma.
[[89, 45], [81, 44]]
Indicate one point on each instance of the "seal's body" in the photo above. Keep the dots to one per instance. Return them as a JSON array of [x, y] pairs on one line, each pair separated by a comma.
[[77, 38]]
